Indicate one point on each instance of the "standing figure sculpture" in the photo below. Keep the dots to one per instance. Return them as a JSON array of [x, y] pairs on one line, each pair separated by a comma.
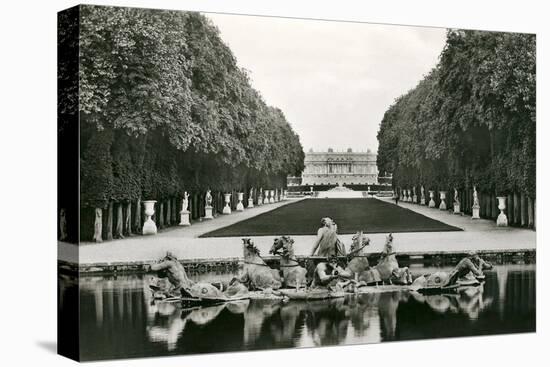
[[208, 205], [475, 206], [456, 203], [327, 243], [208, 198]]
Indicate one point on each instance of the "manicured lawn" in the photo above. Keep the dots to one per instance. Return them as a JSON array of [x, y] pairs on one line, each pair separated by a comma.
[[351, 215]]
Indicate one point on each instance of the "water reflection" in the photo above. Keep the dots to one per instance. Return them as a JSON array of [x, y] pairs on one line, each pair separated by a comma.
[[119, 318]]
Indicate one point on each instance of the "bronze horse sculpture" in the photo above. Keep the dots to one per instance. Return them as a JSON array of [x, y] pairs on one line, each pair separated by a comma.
[[257, 275], [388, 267], [294, 275], [358, 263]]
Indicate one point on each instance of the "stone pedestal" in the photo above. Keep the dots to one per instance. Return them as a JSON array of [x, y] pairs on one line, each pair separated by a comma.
[[502, 220], [422, 198], [271, 196], [415, 198], [409, 196], [184, 218], [266, 197], [456, 208], [475, 212], [149, 226], [240, 206], [250, 203], [285, 194], [443, 204], [208, 212], [227, 208]]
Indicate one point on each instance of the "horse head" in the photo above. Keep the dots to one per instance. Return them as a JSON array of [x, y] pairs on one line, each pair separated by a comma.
[[249, 249], [359, 241], [283, 246], [388, 246]]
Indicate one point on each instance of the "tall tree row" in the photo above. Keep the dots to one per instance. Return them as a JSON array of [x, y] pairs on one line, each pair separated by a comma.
[[470, 121], [164, 109]]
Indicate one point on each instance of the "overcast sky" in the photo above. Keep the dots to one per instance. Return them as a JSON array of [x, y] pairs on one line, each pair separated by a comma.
[[332, 80]]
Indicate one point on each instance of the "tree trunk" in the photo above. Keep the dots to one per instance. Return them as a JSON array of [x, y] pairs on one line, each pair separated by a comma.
[[98, 225], [161, 215], [119, 221], [108, 225], [494, 207], [517, 209], [128, 219], [168, 212], [137, 217], [509, 208], [530, 213], [175, 211], [523, 207]]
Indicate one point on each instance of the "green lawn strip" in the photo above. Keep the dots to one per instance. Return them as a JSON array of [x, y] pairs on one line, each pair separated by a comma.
[[351, 215]]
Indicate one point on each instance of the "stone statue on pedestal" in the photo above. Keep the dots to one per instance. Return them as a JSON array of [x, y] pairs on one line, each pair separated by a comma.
[[475, 206], [208, 206], [184, 214]]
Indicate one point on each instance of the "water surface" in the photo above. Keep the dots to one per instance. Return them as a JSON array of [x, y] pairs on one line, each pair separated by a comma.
[[119, 319]]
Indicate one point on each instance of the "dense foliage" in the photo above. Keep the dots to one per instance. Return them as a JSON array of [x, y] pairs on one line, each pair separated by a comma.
[[164, 108], [471, 120]]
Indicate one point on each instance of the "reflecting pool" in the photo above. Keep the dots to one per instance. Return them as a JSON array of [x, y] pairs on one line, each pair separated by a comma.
[[119, 319]]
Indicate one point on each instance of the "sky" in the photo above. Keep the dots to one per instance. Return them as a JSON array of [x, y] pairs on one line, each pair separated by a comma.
[[332, 80]]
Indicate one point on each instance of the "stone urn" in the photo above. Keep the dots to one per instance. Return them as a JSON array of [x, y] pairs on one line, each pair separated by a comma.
[[149, 226], [502, 220], [431, 204], [227, 208], [409, 196], [443, 204], [240, 206], [271, 196], [266, 197], [184, 213]]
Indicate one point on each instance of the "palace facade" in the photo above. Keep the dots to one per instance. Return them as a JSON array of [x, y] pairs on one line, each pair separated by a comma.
[[345, 168]]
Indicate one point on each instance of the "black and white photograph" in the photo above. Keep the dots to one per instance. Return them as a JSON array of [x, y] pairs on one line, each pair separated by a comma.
[[273, 182]]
